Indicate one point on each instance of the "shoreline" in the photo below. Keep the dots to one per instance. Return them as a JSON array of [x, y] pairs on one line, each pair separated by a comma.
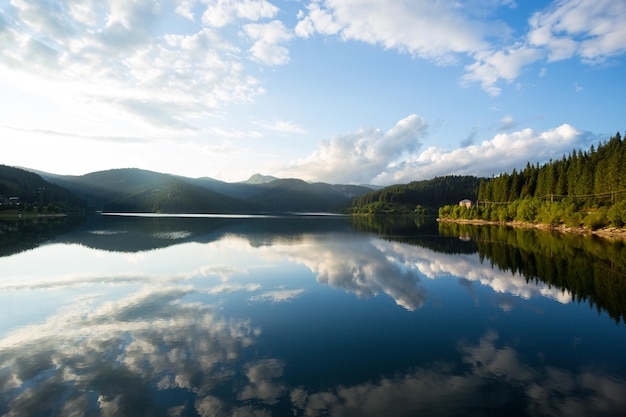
[[612, 233], [28, 216]]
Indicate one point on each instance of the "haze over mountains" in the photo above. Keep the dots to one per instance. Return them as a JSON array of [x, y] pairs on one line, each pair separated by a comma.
[[136, 190]]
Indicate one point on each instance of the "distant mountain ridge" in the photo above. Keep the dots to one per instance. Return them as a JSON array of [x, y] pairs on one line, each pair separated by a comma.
[[137, 190], [260, 179]]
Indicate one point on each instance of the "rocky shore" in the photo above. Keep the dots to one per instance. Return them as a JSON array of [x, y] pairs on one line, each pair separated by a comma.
[[614, 233]]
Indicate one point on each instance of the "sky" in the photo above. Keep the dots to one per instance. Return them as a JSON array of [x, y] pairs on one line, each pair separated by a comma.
[[340, 91]]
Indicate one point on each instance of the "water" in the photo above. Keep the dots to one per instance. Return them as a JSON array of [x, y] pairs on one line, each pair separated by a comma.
[[307, 316]]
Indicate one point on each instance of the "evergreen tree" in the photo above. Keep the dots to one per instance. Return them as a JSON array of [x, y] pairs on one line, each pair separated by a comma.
[[594, 182]]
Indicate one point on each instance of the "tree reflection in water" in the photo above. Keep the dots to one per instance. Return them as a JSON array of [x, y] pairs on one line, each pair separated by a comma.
[[150, 329], [593, 270]]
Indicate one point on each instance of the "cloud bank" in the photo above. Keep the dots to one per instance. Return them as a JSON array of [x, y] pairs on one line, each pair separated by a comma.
[[129, 55], [358, 157], [108, 77], [125, 47], [377, 157], [447, 32]]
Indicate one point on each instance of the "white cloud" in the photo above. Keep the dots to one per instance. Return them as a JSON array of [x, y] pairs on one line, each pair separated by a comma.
[[185, 9], [428, 29], [223, 12], [317, 20], [281, 126], [507, 122], [500, 154], [509, 3], [492, 66], [447, 32], [591, 29], [267, 40], [360, 156], [124, 56], [373, 156]]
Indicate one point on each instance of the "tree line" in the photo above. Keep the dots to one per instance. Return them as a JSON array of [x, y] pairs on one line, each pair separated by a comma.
[[417, 195], [584, 188], [34, 193]]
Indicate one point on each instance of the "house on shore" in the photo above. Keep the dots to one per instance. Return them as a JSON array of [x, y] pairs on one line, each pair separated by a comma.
[[10, 201], [465, 202]]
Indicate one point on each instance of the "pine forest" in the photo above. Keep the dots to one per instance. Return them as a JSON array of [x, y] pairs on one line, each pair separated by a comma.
[[584, 188]]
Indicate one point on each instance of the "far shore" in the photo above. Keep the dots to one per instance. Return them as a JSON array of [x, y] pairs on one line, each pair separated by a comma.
[[615, 233], [28, 216]]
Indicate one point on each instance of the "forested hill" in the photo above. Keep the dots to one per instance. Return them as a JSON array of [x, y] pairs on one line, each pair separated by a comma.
[[584, 188], [136, 190], [426, 194], [595, 176], [34, 193]]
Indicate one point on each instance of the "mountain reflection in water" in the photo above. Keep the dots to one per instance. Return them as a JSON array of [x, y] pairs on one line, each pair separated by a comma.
[[227, 317]]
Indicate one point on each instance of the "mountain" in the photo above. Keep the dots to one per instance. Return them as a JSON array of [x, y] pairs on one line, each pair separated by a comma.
[[297, 195], [239, 190], [260, 179], [137, 190], [34, 191]]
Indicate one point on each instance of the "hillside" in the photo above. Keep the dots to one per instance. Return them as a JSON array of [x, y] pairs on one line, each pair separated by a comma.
[[239, 190], [298, 195], [584, 188], [138, 190], [426, 194], [34, 193]]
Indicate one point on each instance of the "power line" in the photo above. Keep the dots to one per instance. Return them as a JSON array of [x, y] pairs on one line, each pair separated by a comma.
[[551, 197]]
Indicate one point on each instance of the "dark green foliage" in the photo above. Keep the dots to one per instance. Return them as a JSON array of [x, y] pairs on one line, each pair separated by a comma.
[[136, 190], [427, 193], [33, 191], [592, 270], [581, 189], [298, 195], [597, 175], [27, 233], [175, 196]]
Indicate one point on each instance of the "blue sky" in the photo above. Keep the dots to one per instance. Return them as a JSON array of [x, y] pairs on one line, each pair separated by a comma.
[[341, 91]]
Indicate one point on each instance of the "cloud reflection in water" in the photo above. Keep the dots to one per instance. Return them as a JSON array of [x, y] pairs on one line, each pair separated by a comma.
[[369, 266], [156, 352], [115, 358], [497, 382]]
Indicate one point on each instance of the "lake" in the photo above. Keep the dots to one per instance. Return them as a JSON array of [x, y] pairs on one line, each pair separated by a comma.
[[115, 315]]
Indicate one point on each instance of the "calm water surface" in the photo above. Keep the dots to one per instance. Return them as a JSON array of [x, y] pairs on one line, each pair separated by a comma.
[[307, 316]]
